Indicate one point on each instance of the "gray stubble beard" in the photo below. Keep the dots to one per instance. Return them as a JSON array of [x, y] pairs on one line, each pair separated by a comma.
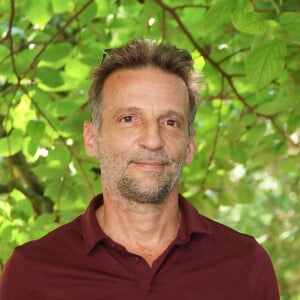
[[135, 191]]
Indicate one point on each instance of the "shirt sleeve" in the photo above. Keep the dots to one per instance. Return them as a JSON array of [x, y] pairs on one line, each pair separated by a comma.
[[263, 282], [17, 279]]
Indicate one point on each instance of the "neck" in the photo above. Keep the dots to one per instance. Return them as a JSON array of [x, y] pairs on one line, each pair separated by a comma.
[[143, 229]]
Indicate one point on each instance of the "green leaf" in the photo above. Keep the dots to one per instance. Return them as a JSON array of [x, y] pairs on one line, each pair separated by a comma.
[[244, 192], [294, 122], [255, 134], [218, 14], [290, 27], [65, 107], [43, 224], [239, 153], [11, 144], [49, 77], [30, 147], [39, 13], [21, 237], [246, 20], [36, 129], [89, 13], [104, 8], [272, 107], [236, 192], [23, 209], [58, 157], [4, 51], [62, 6], [250, 23], [77, 69], [265, 62], [213, 81], [235, 130], [56, 54], [73, 124], [6, 233], [23, 59]]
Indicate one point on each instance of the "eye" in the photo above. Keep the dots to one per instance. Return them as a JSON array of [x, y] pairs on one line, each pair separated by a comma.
[[127, 119], [171, 122]]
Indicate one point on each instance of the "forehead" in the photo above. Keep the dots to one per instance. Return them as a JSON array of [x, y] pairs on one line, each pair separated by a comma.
[[145, 85]]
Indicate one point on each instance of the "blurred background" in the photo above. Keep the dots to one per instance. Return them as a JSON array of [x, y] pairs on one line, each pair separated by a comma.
[[247, 167]]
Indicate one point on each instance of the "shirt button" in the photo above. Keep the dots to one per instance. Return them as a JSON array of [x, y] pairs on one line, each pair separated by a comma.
[[136, 259], [151, 288]]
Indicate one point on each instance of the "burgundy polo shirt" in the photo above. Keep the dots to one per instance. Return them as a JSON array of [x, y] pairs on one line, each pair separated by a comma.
[[207, 260]]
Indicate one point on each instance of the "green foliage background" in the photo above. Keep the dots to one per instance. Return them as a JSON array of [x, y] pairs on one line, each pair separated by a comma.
[[247, 168]]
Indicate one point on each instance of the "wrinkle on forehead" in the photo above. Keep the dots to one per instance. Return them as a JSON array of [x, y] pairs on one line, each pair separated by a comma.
[[147, 85]]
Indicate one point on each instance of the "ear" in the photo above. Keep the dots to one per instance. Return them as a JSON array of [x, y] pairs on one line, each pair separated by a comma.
[[190, 148], [90, 139]]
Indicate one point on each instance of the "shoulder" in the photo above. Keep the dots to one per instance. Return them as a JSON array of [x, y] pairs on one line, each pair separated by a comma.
[[60, 239], [220, 233], [28, 262], [21, 272], [212, 235], [217, 227], [57, 243], [242, 249], [230, 244]]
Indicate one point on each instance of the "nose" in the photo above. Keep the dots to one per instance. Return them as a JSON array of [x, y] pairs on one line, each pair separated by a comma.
[[151, 136]]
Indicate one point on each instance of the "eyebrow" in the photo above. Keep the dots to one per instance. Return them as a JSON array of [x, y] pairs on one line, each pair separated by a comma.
[[125, 110], [133, 109], [179, 116]]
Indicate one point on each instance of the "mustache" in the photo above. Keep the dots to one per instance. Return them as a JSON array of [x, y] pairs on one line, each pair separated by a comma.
[[160, 157]]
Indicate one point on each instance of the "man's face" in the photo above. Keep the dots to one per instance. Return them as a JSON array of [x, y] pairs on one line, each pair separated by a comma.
[[143, 141]]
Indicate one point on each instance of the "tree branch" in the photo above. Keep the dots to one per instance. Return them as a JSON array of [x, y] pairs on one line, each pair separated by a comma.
[[217, 66], [39, 202], [51, 40], [214, 147], [191, 6], [31, 186]]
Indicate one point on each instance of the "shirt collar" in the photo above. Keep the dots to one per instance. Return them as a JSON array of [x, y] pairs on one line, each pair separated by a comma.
[[91, 230], [191, 223]]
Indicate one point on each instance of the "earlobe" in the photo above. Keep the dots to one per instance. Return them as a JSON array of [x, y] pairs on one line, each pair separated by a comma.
[[90, 139]]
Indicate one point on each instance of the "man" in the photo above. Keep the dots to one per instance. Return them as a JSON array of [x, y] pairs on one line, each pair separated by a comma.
[[140, 239]]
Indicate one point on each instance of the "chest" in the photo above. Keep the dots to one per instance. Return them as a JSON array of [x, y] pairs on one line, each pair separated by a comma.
[[114, 275]]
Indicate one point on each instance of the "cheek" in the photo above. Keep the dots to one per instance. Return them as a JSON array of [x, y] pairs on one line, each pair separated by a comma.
[[177, 149], [124, 140], [112, 146]]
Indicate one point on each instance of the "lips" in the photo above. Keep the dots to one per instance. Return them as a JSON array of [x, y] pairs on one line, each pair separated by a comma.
[[150, 165]]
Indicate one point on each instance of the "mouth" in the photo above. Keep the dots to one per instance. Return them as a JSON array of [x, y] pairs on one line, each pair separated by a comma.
[[149, 165]]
